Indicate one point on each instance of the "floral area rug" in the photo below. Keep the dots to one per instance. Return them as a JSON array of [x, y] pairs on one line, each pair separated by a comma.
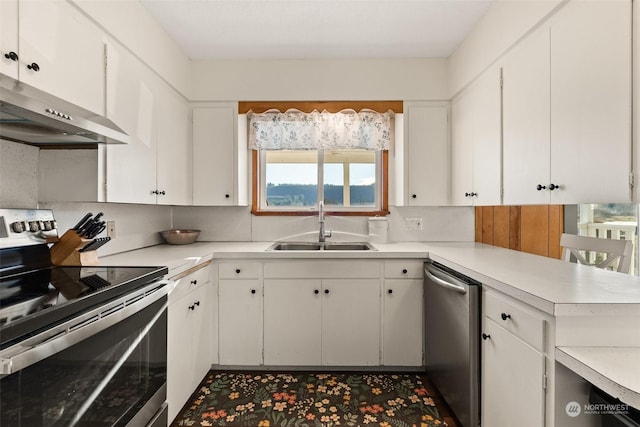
[[310, 399]]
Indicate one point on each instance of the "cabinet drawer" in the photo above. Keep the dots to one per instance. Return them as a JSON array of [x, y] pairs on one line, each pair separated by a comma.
[[302, 269], [403, 269], [516, 319], [190, 280], [239, 270]]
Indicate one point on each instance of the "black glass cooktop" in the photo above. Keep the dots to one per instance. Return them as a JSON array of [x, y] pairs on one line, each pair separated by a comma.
[[34, 300]]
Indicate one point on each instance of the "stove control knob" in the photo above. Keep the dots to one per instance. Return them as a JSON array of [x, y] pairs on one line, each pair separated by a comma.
[[34, 226], [46, 225], [17, 227]]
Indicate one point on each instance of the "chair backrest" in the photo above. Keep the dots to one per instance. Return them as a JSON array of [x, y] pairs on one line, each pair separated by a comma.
[[614, 249]]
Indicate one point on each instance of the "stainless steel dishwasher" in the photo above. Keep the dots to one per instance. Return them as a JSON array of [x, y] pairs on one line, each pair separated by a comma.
[[452, 335]]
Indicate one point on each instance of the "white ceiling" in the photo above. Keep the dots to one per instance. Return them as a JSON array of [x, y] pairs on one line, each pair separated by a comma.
[[292, 29]]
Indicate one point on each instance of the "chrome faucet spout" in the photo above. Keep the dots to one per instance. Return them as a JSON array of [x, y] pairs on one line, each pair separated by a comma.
[[322, 234]]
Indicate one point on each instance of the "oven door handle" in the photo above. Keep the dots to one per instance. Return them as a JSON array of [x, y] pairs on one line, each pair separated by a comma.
[[63, 336]]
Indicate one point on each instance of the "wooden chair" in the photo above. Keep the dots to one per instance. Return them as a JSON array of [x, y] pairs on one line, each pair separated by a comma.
[[613, 249]]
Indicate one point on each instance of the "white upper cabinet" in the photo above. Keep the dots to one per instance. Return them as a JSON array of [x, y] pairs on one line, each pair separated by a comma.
[[426, 154], [215, 159], [461, 150], [155, 167], [174, 149], [132, 104], [476, 143], [591, 102], [9, 38], [526, 121], [61, 52]]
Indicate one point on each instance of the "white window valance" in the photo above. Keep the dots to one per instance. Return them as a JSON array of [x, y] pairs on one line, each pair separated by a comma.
[[296, 130]]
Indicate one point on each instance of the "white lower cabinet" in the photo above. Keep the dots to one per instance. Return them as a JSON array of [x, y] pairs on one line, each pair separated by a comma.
[[320, 313], [513, 365], [313, 322], [403, 313], [351, 322], [292, 322], [402, 334], [189, 338], [240, 322]]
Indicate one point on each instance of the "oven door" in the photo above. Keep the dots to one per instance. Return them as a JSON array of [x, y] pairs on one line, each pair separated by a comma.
[[107, 367]]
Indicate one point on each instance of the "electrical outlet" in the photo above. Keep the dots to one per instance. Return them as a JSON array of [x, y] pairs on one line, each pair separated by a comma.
[[111, 229], [413, 223]]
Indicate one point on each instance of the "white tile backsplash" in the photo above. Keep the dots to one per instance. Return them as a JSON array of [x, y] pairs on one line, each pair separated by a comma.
[[222, 224], [18, 175], [237, 224], [439, 224], [137, 226]]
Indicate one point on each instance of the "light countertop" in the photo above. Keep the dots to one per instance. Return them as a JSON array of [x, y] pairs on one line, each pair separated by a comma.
[[552, 286], [615, 370]]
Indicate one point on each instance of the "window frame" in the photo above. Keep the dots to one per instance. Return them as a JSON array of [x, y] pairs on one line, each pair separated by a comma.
[[331, 106], [258, 190]]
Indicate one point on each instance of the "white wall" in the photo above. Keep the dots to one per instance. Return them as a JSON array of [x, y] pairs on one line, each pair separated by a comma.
[[504, 23], [319, 80]]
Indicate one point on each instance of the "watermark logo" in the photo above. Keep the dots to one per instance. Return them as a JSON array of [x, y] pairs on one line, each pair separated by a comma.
[[573, 409], [606, 408]]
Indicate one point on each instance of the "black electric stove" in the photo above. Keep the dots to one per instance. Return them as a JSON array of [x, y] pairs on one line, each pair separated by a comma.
[[95, 335], [34, 295]]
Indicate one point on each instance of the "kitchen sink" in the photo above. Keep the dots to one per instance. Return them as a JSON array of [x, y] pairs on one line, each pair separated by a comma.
[[295, 246], [317, 246], [339, 246]]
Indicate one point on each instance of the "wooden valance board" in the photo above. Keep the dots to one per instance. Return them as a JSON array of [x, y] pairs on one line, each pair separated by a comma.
[[308, 106]]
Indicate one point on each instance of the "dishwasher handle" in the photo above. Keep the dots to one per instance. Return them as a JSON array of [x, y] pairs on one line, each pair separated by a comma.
[[445, 284]]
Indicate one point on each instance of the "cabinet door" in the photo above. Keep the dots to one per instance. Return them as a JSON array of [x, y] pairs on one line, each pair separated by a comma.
[[9, 37], [240, 322], [174, 149], [69, 50], [461, 151], [351, 322], [487, 139], [292, 322], [132, 104], [476, 150], [512, 380], [526, 121], [426, 154], [402, 334], [214, 157], [591, 102], [200, 328], [179, 355]]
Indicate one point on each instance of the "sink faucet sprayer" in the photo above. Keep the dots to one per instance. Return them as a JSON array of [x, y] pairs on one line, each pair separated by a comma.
[[323, 234]]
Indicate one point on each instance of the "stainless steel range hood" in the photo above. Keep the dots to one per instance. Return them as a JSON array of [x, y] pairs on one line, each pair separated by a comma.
[[29, 115]]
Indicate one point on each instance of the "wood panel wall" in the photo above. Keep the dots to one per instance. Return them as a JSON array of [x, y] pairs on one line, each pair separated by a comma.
[[532, 229]]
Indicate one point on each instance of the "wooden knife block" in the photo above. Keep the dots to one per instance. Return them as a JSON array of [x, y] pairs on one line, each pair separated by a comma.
[[65, 251]]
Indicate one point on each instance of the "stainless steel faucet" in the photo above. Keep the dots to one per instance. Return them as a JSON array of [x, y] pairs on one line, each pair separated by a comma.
[[322, 234]]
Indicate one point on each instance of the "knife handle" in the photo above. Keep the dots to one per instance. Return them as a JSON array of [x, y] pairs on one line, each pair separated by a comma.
[[81, 223]]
